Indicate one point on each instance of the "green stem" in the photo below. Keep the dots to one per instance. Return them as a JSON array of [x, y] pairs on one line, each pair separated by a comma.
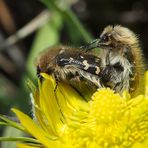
[[23, 139], [12, 123], [70, 17], [79, 26]]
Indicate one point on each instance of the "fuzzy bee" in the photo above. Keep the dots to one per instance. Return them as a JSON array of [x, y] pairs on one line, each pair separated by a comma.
[[122, 59], [118, 65], [74, 66]]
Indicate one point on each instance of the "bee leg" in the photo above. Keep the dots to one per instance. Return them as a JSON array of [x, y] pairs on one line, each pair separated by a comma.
[[92, 45], [111, 76], [38, 74], [56, 80], [106, 76]]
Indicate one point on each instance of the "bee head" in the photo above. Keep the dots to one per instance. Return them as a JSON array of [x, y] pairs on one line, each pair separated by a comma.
[[114, 37], [45, 63], [117, 36], [43, 66]]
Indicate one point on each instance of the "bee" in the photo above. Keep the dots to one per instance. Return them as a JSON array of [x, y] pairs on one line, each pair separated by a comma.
[[118, 65], [74, 66], [122, 59]]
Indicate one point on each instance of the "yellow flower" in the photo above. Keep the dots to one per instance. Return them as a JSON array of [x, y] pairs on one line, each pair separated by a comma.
[[63, 119]]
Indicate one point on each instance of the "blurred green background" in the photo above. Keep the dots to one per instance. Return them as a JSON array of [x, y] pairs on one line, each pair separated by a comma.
[[27, 27]]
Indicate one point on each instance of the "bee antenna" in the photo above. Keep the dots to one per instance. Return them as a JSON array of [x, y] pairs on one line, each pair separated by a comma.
[[90, 45]]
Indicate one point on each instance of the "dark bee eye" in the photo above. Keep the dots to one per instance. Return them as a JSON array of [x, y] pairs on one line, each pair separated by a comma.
[[104, 38]]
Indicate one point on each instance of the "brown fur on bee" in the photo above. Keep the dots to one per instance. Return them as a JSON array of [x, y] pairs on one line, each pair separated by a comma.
[[121, 52], [73, 66]]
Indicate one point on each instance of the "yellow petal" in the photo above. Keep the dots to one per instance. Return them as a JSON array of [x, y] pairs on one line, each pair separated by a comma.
[[22, 145], [146, 84], [34, 129], [56, 104], [49, 105], [141, 145]]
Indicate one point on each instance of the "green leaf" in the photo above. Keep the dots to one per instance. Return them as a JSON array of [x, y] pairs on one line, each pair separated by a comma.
[[69, 17], [46, 36]]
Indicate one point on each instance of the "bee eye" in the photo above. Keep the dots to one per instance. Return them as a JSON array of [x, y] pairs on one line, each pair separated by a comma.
[[105, 38]]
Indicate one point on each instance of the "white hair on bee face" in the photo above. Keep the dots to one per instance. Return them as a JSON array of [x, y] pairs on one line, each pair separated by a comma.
[[121, 34]]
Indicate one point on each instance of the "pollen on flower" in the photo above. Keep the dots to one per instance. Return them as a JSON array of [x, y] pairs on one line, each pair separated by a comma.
[[111, 121], [107, 106]]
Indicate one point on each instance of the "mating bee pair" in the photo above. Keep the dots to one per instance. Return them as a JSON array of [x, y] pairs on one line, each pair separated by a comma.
[[118, 65]]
